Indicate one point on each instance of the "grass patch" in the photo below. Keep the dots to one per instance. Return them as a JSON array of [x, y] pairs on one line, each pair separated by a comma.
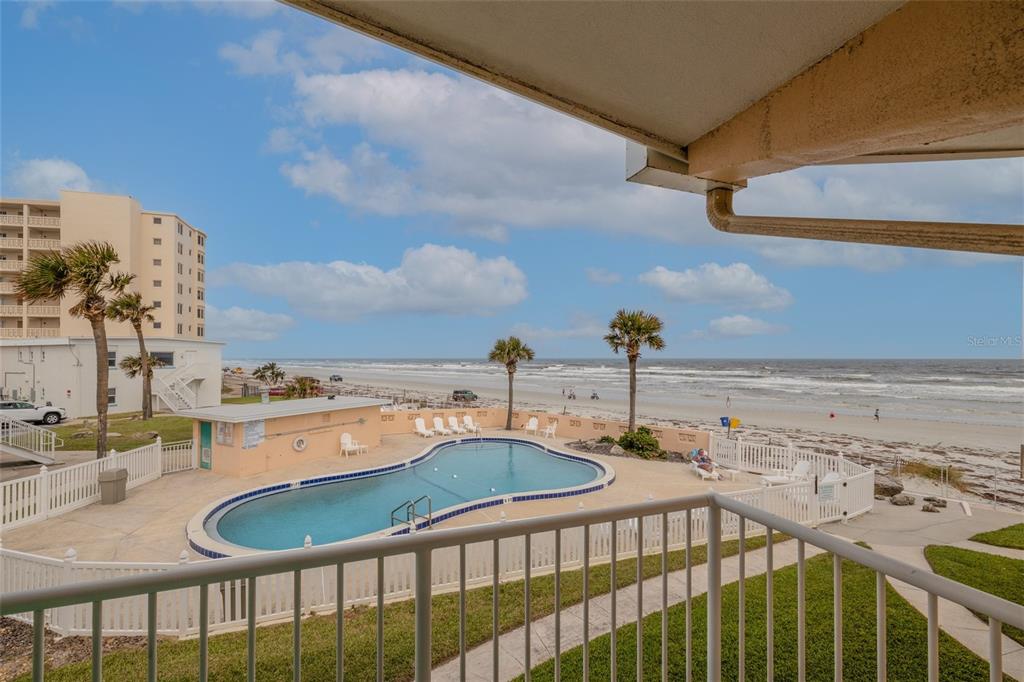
[[906, 632], [955, 477], [998, 575], [1011, 536], [246, 400], [132, 430], [178, 660]]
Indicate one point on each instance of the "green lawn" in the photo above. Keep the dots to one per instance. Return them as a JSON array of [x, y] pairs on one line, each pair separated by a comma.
[[1011, 536], [998, 575], [132, 430], [907, 635], [239, 400], [178, 660]]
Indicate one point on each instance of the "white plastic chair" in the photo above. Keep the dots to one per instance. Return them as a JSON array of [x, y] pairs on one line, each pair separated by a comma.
[[549, 430], [439, 427], [453, 425], [531, 426], [799, 472], [470, 425], [349, 445], [421, 428]]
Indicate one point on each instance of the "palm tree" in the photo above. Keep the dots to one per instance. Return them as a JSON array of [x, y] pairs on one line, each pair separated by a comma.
[[131, 365], [509, 352], [629, 330], [302, 387], [82, 270], [270, 374], [128, 307]]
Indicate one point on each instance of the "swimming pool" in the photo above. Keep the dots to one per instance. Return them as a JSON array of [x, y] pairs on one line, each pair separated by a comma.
[[459, 476]]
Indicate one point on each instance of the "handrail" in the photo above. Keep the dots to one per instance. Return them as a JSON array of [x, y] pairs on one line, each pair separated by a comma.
[[288, 561], [975, 600]]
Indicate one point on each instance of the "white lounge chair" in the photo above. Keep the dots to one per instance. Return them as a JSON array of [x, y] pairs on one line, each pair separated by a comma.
[[453, 425], [704, 474], [470, 425], [421, 428], [348, 445], [549, 430], [799, 472], [531, 426], [439, 427]]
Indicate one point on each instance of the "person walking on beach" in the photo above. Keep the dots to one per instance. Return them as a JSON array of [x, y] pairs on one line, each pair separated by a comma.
[[876, 414], [728, 401]]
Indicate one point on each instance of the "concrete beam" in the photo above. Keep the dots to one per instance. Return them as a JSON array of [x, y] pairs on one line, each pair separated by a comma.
[[928, 72]]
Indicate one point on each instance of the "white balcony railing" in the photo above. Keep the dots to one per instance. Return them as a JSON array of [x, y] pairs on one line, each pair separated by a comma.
[[40, 243], [12, 265], [9, 310], [12, 243], [191, 596], [43, 221], [44, 311], [29, 333], [9, 219], [6, 287]]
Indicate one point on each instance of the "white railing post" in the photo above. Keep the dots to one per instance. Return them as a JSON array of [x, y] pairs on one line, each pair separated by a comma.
[[422, 629], [64, 619], [159, 457], [183, 599], [714, 604], [43, 494], [815, 502]]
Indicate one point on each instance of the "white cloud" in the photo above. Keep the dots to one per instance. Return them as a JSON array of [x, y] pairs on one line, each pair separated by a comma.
[[246, 9], [737, 326], [735, 285], [266, 53], [262, 56], [602, 276], [246, 324], [809, 253], [30, 15], [44, 178], [430, 279], [580, 326]]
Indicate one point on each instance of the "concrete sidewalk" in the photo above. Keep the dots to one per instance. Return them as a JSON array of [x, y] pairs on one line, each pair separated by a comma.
[[512, 644]]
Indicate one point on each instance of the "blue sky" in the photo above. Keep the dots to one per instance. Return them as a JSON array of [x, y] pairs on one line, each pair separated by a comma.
[[361, 202]]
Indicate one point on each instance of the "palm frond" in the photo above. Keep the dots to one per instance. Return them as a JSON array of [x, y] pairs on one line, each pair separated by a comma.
[[46, 276]]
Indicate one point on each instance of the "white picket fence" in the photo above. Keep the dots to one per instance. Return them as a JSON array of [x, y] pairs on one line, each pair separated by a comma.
[[52, 493], [177, 612]]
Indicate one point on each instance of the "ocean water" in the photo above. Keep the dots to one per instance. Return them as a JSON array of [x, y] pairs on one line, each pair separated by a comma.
[[348, 509], [973, 391]]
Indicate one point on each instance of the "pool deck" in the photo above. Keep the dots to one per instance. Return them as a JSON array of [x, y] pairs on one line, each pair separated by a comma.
[[150, 524]]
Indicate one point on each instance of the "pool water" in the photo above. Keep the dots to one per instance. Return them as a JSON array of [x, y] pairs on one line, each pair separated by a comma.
[[454, 475]]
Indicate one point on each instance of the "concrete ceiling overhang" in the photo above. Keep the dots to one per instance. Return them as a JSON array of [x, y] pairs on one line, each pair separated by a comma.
[[710, 94]]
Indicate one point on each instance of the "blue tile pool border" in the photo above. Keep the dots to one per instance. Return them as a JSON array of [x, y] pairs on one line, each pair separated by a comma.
[[214, 547]]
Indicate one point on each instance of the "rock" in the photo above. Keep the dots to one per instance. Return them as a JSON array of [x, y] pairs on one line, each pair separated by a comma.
[[881, 497], [152, 435], [617, 450], [887, 485], [902, 500], [929, 507], [82, 434], [935, 501]]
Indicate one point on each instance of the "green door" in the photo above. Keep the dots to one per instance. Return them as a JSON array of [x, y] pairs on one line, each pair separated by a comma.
[[205, 449]]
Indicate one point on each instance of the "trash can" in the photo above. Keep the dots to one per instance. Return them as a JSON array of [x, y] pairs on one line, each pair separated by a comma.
[[113, 484]]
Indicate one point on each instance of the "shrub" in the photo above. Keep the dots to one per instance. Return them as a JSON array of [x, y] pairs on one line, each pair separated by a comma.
[[641, 443], [606, 439]]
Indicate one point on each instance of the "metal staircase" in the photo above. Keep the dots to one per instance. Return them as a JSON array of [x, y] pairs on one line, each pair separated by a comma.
[[28, 441], [173, 389]]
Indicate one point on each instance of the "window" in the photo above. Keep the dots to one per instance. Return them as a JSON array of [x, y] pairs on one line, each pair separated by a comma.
[[158, 221], [179, 309], [112, 359], [199, 331], [180, 229], [157, 283], [201, 258], [179, 329], [179, 288], [200, 312], [111, 396], [180, 269], [202, 240], [157, 262], [199, 294], [157, 325], [201, 276], [157, 304], [157, 241], [181, 250], [166, 357], [225, 433]]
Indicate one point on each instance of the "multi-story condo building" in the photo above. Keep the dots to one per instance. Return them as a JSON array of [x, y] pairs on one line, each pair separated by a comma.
[[166, 254]]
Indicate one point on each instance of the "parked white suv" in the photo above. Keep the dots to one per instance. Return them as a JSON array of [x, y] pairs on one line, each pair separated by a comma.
[[27, 412]]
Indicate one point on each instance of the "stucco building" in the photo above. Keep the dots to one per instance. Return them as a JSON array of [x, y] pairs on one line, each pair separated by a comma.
[[47, 354]]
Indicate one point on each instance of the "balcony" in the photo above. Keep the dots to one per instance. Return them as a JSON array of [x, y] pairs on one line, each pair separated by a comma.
[[43, 221], [47, 244], [12, 243], [8, 219], [6, 287], [12, 265], [29, 333], [9, 310]]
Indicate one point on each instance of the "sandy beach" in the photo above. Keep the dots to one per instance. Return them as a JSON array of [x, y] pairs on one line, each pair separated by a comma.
[[986, 454]]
